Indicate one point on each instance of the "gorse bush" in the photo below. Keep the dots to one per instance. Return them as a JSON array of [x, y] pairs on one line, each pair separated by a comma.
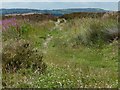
[[20, 54]]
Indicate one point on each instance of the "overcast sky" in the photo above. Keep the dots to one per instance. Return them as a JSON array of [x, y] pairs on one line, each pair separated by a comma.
[[60, 5], [60, 0]]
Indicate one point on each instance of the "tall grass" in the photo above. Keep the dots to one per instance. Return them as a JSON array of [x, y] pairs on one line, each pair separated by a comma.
[[72, 58], [88, 30]]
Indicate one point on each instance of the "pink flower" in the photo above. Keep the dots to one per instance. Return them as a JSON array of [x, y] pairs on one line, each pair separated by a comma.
[[7, 23]]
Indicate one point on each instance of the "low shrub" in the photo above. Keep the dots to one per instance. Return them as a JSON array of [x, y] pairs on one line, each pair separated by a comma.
[[20, 54]]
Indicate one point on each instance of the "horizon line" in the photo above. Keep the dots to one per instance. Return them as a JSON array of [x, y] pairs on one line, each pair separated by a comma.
[[62, 8]]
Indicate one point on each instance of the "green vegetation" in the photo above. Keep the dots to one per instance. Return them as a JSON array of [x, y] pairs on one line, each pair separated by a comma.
[[78, 53]]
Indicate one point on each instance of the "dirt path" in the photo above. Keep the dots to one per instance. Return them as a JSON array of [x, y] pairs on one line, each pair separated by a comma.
[[49, 37], [46, 42]]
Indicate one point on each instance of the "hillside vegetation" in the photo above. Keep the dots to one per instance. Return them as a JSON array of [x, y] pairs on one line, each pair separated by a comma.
[[77, 52]]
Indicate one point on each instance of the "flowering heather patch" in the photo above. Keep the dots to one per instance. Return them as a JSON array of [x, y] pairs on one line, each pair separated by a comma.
[[7, 23]]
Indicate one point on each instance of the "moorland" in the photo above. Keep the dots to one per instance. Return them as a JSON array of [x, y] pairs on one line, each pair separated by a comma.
[[76, 50]]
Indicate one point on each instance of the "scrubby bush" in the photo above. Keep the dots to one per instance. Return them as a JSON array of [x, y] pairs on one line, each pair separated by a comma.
[[20, 54]]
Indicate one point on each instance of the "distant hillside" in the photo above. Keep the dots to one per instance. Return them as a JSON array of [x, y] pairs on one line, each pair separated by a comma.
[[32, 17], [113, 15], [57, 12]]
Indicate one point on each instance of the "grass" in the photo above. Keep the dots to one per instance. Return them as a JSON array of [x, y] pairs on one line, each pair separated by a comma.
[[78, 56], [87, 63]]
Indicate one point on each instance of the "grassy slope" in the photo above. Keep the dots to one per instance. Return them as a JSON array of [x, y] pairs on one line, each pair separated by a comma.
[[70, 64]]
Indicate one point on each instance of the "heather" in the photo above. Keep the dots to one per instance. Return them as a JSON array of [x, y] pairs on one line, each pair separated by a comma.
[[74, 52]]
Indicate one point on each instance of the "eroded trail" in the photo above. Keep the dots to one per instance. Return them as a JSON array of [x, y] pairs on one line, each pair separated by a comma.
[[48, 39], [46, 42], [57, 26]]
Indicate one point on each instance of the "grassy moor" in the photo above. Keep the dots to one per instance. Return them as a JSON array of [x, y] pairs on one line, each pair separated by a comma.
[[77, 50]]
